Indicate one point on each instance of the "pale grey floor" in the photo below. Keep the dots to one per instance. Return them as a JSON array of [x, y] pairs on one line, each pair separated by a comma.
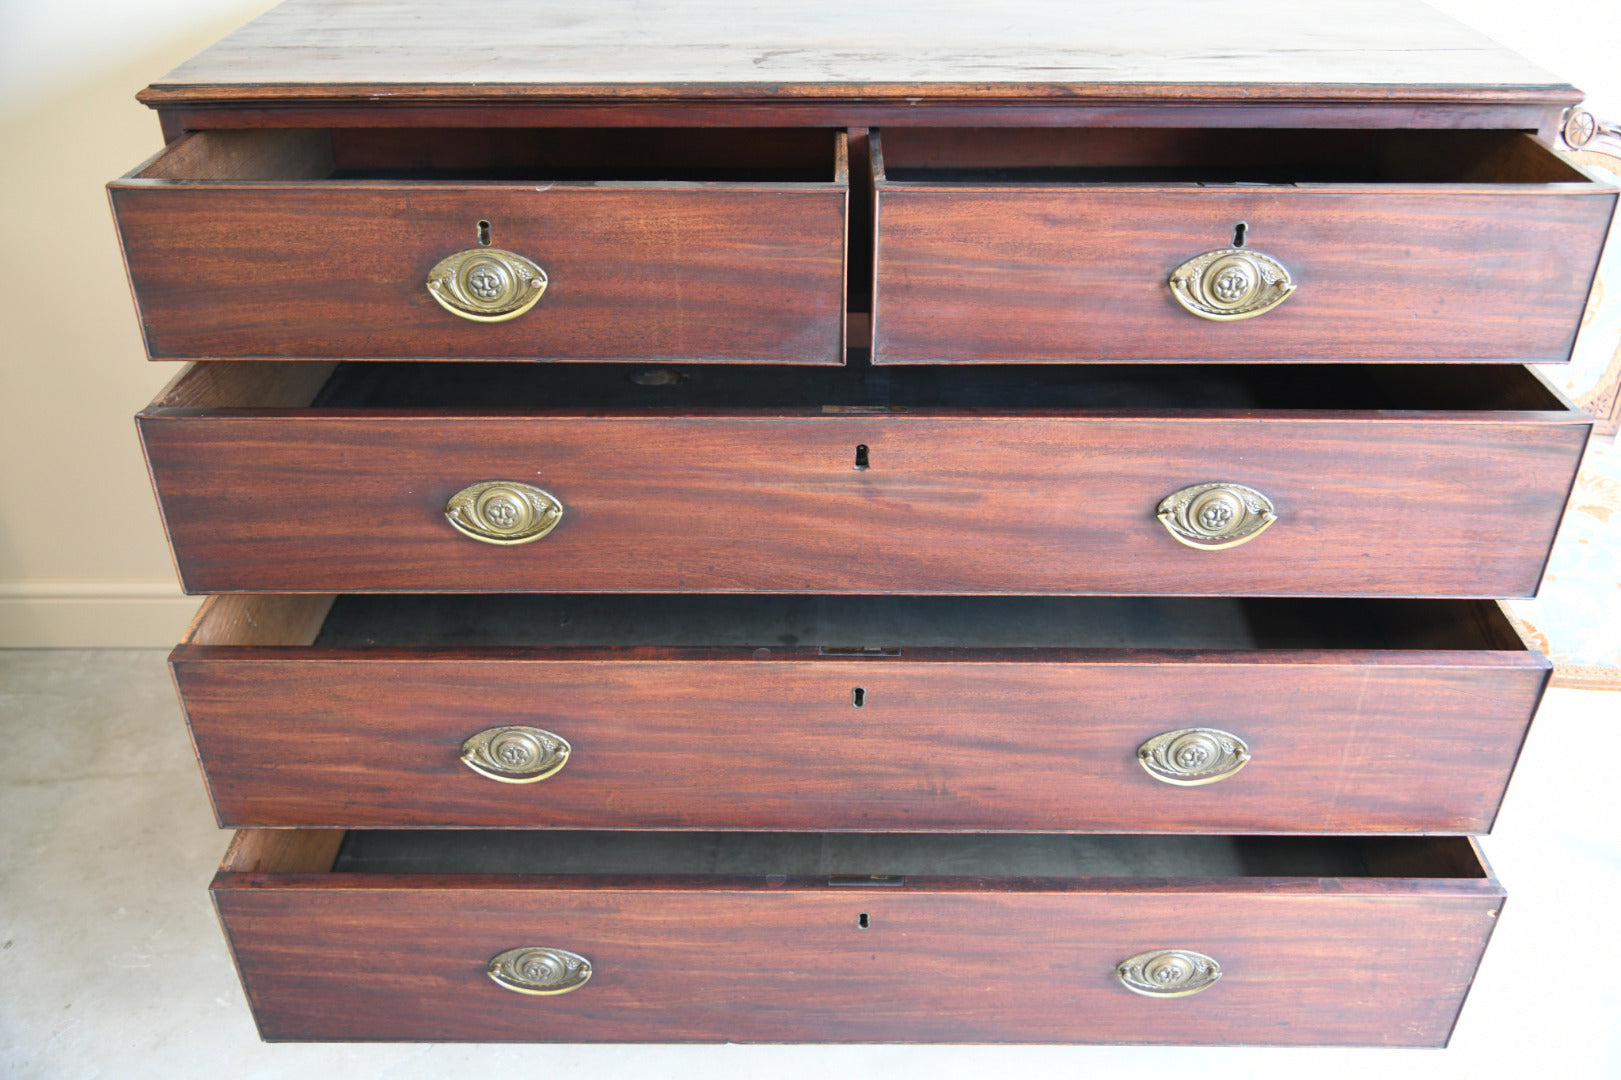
[[111, 964]]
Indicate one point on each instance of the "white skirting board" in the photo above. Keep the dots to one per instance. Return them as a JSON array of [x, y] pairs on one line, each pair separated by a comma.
[[81, 614]]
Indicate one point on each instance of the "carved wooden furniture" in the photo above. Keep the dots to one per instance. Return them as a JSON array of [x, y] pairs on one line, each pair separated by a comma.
[[859, 524]]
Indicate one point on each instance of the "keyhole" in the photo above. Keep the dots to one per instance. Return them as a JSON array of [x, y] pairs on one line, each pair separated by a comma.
[[858, 697], [862, 920], [1238, 233], [861, 456], [484, 234]]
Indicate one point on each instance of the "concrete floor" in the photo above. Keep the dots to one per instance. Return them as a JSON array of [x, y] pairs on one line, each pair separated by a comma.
[[111, 963]]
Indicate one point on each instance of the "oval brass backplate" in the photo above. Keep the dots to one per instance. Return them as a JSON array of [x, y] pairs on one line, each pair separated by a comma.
[[1191, 757], [1231, 284], [503, 512], [1168, 973], [1216, 516], [516, 754], [540, 971], [486, 284]]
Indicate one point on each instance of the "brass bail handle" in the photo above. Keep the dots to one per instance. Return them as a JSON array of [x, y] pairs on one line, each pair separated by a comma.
[[1232, 283], [503, 512], [1168, 973], [486, 284], [1216, 516], [539, 970]]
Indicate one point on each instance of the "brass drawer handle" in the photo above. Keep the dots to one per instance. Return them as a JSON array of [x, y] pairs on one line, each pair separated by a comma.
[[1216, 516], [503, 512], [1190, 757], [540, 971], [1168, 973], [486, 284], [1231, 284], [515, 754]]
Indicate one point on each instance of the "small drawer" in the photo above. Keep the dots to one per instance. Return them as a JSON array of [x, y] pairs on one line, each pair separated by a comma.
[[1170, 244], [1355, 480], [762, 937], [717, 245], [858, 713]]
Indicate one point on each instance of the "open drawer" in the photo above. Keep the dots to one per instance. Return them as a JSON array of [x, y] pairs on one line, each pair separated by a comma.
[[1374, 480], [719, 245], [1211, 244], [857, 713], [581, 937]]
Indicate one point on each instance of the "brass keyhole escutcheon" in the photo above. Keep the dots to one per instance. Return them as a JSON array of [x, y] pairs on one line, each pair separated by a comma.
[[1231, 284], [486, 284], [503, 512]]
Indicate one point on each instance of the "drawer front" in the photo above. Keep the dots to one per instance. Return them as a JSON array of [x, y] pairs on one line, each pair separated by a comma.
[[1465, 505], [1054, 274], [1302, 961], [704, 272], [787, 739]]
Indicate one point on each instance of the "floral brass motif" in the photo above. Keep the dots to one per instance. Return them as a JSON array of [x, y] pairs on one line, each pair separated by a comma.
[[516, 755], [1216, 516], [1190, 757], [1168, 973], [503, 512], [540, 971], [1231, 284], [486, 284]]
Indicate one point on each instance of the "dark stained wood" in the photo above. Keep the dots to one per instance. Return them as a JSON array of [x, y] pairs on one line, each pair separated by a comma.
[[1306, 960], [957, 500], [981, 269], [1401, 738], [721, 271], [900, 108]]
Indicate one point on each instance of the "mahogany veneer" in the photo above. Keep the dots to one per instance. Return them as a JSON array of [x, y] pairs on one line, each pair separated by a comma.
[[1372, 945]]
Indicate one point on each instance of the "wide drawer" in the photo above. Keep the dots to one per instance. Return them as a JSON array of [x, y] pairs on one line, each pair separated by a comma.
[[721, 245], [1381, 480], [1007, 245], [857, 713], [771, 938]]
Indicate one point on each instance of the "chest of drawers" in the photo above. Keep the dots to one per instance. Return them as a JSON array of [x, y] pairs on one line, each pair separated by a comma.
[[859, 525]]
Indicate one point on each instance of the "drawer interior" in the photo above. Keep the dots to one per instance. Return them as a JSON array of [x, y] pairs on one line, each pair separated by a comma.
[[697, 387], [859, 859], [774, 155], [1216, 156], [839, 623]]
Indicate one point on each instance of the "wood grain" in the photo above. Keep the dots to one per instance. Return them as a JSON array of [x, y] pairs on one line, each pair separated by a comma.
[[697, 271], [1370, 48], [1344, 741], [997, 272], [1376, 961], [1379, 504]]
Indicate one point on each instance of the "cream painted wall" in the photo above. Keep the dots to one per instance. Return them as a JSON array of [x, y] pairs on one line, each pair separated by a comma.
[[82, 557]]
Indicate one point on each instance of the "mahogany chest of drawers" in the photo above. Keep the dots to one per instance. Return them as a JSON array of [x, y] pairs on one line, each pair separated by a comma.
[[859, 524]]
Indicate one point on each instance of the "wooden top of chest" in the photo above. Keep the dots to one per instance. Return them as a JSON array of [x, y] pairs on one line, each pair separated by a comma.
[[664, 53]]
